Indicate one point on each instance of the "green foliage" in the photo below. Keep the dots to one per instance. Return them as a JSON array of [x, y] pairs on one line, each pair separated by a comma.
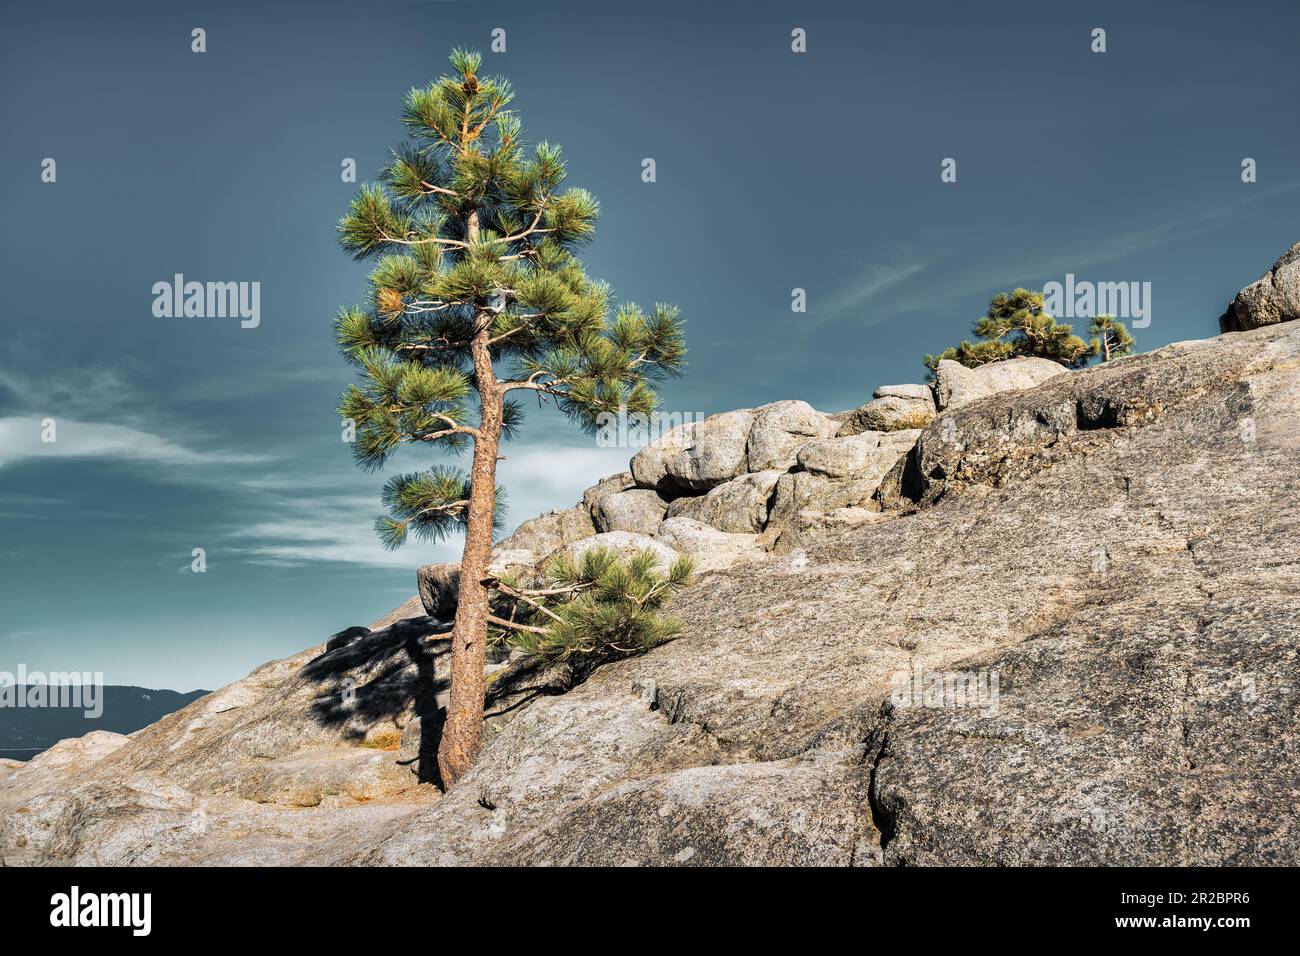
[[431, 504], [593, 609], [1016, 325], [1110, 338], [472, 231]]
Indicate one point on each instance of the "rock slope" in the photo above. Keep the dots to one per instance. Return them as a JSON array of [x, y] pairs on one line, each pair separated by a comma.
[[1058, 625]]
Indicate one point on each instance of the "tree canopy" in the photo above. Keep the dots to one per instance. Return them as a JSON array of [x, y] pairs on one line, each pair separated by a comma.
[[1016, 325], [470, 228]]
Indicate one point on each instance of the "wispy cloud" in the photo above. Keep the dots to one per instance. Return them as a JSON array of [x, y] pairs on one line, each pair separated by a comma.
[[20, 505], [343, 537], [24, 438], [297, 515], [874, 281], [77, 393], [337, 527], [101, 416], [880, 284]]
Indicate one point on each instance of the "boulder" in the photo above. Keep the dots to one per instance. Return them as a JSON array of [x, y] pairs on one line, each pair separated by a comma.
[[921, 393], [551, 531], [778, 431], [624, 544], [839, 473], [957, 385], [637, 509], [650, 465], [1268, 300], [347, 636], [717, 452], [607, 486], [710, 548], [437, 585], [738, 506], [890, 413], [807, 491], [440, 583], [867, 455]]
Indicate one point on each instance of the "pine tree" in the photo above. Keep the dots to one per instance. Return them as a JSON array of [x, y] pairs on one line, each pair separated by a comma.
[[592, 608], [1110, 338], [1017, 325], [475, 243]]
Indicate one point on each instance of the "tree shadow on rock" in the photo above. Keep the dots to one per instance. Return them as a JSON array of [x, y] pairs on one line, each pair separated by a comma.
[[366, 677], [372, 676]]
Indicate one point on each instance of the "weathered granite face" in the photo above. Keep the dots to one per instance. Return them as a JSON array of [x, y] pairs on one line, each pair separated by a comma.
[[956, 385], [741, 505], [1272, 298], [708, 547], [548, 533], [1116, 547], [638, 510], [915, 393], [778, 431], [890, 413]]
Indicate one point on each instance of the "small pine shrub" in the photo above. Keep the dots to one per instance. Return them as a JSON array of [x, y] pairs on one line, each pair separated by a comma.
[[597, 608]]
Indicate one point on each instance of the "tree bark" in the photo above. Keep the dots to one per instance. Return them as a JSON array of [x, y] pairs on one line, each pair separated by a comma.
[[462, 732]]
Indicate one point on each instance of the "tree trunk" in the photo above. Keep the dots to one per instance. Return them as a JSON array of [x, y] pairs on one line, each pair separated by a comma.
[[463, 730]]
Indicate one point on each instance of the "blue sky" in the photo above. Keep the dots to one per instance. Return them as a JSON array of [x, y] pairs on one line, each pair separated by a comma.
[[775, 170]]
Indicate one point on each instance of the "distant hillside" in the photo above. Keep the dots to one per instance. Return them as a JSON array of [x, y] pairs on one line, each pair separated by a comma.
[[26, 731]]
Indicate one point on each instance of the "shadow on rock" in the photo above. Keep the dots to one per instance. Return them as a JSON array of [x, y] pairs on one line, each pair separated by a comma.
[[401, 672], [392, 674]]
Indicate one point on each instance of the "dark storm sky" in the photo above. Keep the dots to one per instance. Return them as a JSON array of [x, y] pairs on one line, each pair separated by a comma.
[[775, 171]]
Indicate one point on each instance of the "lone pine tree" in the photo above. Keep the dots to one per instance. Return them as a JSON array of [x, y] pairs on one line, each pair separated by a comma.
[[476, 268], [1016, 325], [1110, 338]]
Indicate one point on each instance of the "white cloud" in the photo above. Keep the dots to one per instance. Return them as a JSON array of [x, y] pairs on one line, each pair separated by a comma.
[[541, 473], [874, 281], [21, 438], [338, 527], [102, 416], [345, 538]]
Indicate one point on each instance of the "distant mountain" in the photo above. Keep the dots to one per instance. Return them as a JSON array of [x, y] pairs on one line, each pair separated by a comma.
[[26, 731]]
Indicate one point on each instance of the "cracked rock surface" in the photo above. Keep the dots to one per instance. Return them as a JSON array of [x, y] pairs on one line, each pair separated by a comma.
[[1112, 553]]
